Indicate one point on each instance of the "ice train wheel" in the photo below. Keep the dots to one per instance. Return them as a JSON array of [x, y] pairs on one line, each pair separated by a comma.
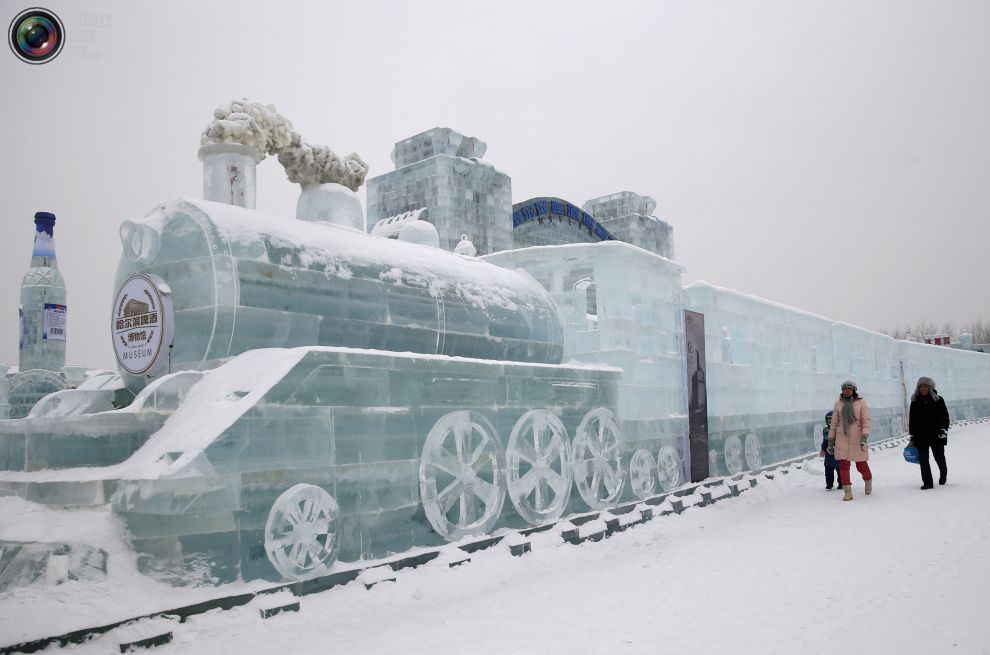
[[733, 452], [642, 474], [301, 532], [670, 469], [598, 458], [538, 467], [461, 475], [754, 453]]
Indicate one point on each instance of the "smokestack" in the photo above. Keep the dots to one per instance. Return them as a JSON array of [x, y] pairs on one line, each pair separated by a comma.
[[229, 173], [330, 203]]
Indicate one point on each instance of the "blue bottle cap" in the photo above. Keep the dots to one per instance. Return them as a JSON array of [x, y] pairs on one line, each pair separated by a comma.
[[44, 221]]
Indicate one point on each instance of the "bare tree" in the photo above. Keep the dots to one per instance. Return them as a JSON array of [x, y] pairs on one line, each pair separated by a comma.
[[979, 328], [980, 331]]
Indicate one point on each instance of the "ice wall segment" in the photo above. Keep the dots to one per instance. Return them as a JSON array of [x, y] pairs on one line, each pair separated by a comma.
[[443, 171], [772, 371]]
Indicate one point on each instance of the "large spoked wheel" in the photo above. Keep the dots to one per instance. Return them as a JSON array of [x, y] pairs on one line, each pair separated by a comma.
[[538, 467], [642, 474], [733, 452], [301, 532], [754, 454], [460, 475], [670, 470], [597, 459]]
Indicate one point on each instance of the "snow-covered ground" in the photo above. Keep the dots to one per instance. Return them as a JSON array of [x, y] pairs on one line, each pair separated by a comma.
[[787, 567]]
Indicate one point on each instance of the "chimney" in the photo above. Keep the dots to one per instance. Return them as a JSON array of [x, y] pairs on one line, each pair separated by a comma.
[[229, 173], [330, 203]]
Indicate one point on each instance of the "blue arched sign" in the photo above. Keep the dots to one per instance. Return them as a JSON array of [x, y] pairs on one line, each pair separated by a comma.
[[544, 209]]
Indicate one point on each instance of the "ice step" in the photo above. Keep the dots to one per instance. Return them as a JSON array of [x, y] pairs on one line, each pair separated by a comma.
[[143, 634]]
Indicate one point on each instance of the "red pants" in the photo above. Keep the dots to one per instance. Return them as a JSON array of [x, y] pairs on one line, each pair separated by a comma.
[[862, 467]]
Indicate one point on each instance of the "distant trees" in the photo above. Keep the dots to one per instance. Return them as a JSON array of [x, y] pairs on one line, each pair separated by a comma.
[[978, 328]]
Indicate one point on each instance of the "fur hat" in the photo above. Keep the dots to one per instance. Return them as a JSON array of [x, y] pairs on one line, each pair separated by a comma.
[[931, 388], [851, 385]]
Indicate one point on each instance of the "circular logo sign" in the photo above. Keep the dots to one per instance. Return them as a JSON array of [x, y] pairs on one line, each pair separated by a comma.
[[141, 324]]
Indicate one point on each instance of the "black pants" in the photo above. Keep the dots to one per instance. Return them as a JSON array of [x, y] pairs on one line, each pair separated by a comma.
[[938, 452], [831, 476]]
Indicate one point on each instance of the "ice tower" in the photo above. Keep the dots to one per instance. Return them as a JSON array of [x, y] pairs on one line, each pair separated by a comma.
[[629, 217], [442, 171], [43, 310]]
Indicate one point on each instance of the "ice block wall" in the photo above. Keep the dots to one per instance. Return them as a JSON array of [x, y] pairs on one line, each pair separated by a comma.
[[242, 280], [443, 170], [773, 371], [621, 306]]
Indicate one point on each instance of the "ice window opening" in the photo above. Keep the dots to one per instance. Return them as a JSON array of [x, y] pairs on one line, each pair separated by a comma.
[[590, 289]]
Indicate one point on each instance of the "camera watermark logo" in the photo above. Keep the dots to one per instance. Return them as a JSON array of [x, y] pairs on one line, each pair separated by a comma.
[[36, 35]]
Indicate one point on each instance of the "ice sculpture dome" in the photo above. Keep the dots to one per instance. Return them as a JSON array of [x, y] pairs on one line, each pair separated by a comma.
[[330, 203], [420, 232], [465, 247]]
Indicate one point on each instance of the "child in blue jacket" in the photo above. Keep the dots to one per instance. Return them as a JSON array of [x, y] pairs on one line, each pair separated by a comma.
[[831, 465]]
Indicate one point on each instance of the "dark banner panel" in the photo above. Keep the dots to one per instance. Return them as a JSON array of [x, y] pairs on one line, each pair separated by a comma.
[[694, 334]]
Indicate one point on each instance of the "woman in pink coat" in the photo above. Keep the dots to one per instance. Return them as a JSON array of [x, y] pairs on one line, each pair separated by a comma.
[[847, 441]]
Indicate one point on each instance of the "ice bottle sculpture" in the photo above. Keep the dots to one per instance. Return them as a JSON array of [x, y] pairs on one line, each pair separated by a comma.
[[43, 310]]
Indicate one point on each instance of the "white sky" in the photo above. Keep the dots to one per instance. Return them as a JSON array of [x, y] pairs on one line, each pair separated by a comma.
[[831, 155]]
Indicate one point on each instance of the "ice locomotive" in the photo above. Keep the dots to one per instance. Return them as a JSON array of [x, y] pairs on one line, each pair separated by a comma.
[[390, 433]]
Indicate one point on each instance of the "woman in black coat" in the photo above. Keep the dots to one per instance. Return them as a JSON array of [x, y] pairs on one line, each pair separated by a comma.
[[929, 424]]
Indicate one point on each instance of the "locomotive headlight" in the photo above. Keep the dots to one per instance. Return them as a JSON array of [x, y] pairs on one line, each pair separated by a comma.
[[140, 241]]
